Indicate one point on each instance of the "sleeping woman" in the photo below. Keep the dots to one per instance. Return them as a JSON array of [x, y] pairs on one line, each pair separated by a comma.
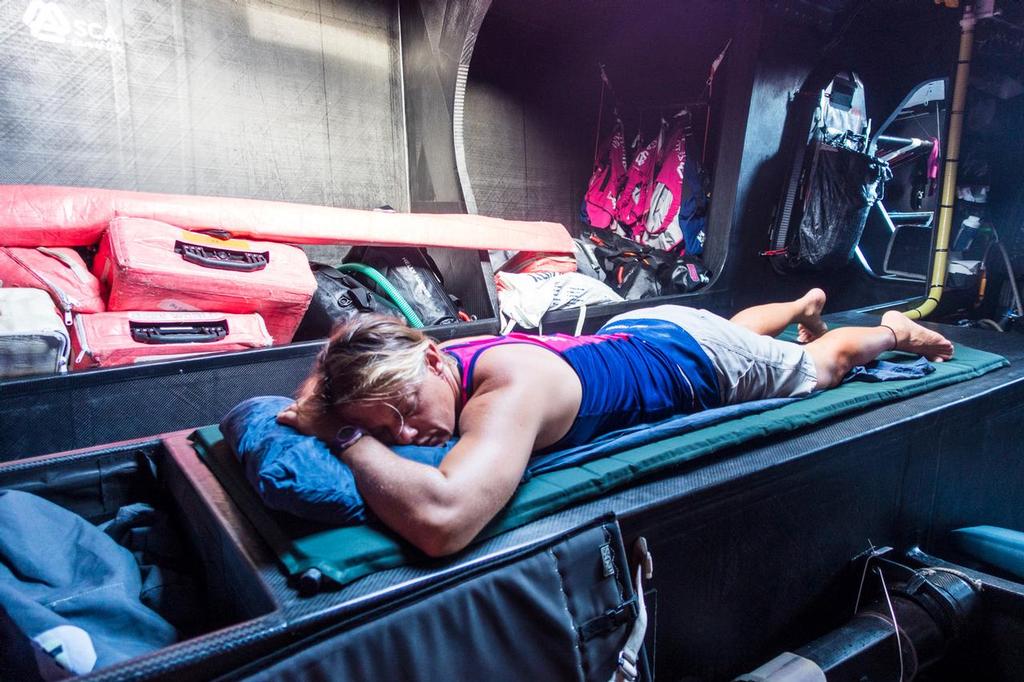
[[379, 383]]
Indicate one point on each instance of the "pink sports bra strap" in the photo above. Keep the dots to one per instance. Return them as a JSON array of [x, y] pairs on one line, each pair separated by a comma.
[[466, 354]]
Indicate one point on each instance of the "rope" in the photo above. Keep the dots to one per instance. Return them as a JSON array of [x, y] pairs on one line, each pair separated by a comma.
[[895, 625], [709, 87], [600, 114]]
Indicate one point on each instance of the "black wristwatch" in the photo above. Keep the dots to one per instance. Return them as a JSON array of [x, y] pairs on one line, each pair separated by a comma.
[[346, 437]]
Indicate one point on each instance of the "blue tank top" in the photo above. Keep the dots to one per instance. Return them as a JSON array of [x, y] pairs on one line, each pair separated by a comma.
[[632, 372]]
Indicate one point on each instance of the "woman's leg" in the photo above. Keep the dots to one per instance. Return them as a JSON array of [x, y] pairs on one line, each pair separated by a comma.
[[837, 351], [770, 319]]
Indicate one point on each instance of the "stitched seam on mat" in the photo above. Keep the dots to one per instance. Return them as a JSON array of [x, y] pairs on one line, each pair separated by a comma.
[[575, 630]]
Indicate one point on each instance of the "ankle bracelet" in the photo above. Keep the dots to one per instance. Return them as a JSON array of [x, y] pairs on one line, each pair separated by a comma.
[[895, 339]]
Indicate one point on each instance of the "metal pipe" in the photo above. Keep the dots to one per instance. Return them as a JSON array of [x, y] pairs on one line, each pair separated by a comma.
[[940, 260], [902, 141]]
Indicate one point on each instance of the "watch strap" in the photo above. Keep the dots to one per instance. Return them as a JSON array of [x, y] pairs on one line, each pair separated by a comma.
[[346, 437]]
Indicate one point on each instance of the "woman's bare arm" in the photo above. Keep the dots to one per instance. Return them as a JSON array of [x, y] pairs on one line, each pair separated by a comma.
[[441, 510]]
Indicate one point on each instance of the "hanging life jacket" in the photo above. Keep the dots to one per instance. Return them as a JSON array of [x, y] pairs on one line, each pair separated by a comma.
[[662, 222], [607, 180], [635, 198], [686, 231]]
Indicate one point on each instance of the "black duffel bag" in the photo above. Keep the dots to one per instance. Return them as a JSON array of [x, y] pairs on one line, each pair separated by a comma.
[[840, 188], [415, 275], [637, 271], [627, 265], [338, 297], [685, 275]]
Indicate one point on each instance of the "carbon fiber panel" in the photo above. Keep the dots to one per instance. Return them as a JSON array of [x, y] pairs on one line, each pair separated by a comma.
[[54, 414], [63, 413], [296, 100], [534, 90]]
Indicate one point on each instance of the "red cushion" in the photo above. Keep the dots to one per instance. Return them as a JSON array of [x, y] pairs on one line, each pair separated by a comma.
[[41, 215]]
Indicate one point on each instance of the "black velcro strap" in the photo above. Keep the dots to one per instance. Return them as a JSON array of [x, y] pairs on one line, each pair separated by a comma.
[[611, 619]]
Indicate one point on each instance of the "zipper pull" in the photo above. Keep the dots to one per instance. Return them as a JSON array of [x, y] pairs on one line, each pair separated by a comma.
[[68, 320]]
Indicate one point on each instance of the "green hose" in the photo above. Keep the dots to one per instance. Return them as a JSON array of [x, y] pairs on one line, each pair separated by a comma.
[[387, 288]]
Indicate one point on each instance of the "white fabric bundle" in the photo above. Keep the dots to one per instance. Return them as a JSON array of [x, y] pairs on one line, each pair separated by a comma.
[[525, 297]]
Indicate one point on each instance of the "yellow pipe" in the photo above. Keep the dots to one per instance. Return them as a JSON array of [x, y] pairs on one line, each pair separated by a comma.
[[940, 261]]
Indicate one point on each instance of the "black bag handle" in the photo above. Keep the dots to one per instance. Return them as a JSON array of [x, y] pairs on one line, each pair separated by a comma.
[[331, 271], [361, 297], [215, 232], [220, 258], [357, 294], [412, 253], [178, 332]]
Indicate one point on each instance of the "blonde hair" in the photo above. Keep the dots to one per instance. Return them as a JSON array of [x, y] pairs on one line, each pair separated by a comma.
[[369, 357]]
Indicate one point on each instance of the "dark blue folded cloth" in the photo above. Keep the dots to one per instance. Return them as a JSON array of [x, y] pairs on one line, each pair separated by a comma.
[[883, 370], [167, 583]]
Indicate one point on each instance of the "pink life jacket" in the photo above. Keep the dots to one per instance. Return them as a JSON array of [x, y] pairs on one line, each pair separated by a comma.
[[666, 196], [662, 229], [636, 194], [606, 180]]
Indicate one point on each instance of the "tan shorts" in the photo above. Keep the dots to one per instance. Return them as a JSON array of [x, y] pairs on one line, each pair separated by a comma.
[[750, 366]]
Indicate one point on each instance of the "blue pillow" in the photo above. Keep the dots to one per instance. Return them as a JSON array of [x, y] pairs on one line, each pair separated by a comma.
[[298, 474]]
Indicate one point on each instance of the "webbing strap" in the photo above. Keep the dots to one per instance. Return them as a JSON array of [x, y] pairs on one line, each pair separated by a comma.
[[507, 326], [580, 319], [628, 668]]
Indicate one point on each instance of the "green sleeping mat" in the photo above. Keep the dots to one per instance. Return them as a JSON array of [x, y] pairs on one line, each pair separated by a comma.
[[345, 554]]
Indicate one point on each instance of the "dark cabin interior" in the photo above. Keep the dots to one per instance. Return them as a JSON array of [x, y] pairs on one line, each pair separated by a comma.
[[495, 107]]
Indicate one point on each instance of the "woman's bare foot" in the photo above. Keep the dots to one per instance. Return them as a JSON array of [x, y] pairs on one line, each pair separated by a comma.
[[809, 324], [913, 338]]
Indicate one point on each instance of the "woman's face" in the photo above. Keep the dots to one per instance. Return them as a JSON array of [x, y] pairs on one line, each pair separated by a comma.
[[425, 416]]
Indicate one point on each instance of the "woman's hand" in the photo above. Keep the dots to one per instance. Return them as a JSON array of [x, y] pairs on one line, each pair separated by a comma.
[[307, 417]]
